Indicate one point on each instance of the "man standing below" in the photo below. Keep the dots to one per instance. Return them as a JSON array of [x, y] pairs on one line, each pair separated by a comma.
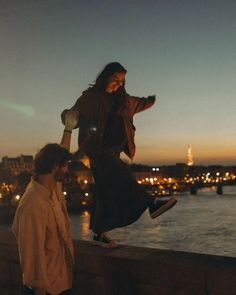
[[41, 224]]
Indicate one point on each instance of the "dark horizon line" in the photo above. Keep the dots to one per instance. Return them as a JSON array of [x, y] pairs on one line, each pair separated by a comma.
[[182, 163], [144, 163]]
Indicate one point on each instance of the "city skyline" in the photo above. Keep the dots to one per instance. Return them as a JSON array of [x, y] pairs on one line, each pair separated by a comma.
[[184, 52]]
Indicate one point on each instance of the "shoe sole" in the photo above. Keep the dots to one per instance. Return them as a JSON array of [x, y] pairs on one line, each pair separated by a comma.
[[164, 208], [105, 245]]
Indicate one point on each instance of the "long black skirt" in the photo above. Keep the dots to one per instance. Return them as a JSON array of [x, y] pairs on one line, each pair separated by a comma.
[[119, 199]]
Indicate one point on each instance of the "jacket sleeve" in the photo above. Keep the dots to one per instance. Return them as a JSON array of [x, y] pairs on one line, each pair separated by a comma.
[[139, 104], [86, 109], [31, 244], [89, 107]]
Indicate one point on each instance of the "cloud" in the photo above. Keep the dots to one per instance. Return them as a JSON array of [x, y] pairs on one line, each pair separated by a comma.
[[26, 110]]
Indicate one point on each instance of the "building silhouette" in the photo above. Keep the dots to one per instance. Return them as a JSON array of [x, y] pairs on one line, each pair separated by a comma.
[[18, 164]]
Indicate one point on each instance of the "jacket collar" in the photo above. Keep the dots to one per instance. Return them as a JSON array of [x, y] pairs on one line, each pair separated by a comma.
[[46, 193]]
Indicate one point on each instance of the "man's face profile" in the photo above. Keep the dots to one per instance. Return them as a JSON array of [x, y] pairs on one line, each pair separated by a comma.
[[60, 171]]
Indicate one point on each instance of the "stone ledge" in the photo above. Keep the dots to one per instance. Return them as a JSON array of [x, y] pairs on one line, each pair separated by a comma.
[[129, 270]]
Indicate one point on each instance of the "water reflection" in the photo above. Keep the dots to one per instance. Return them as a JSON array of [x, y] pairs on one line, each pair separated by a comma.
[[203, 223], [85, 218], [80, 225]]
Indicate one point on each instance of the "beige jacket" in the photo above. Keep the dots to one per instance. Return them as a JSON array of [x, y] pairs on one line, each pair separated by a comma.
[[42, 229]]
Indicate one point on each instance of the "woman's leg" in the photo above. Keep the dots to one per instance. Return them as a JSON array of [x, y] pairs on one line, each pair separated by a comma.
[[119, 199]]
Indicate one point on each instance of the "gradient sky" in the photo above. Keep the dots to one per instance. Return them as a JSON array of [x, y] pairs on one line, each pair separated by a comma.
[[183, 51]]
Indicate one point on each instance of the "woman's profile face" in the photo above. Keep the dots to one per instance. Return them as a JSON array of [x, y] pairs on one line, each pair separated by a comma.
[[115, 81]]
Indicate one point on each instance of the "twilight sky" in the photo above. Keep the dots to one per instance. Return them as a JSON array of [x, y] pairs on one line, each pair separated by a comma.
[[183, 51]]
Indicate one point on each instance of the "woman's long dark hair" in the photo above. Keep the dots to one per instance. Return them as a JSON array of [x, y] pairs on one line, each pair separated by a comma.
[[109, 70], [103, 78]]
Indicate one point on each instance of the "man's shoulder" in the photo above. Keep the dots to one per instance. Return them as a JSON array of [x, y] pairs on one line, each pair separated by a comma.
[[32, 201]]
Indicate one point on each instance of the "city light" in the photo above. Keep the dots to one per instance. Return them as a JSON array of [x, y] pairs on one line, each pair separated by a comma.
[[173, 179]]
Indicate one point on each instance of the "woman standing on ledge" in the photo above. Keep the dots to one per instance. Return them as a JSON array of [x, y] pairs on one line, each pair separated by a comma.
[[105, 118]]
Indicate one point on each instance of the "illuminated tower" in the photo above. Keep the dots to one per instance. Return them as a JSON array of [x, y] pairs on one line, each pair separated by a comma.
[[190, 156]]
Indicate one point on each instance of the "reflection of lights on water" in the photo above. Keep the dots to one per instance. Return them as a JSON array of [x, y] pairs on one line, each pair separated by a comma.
[[86, 213], [85, 218]]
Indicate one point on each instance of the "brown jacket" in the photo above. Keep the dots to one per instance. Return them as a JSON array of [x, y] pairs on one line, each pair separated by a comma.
[[93, 107], [44, 239]]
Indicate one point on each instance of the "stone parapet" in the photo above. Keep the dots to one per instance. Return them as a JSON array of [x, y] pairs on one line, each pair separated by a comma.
[[129, 270]]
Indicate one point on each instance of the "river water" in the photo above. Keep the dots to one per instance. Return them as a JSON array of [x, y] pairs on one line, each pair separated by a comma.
[[205, 223]]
